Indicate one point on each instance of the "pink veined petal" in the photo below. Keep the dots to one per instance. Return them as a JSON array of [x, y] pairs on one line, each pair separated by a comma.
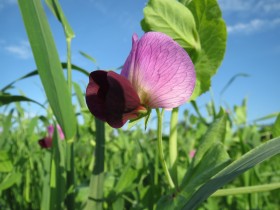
[[160, 71]]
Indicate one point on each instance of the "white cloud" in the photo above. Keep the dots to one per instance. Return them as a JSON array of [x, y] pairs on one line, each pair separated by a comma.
[[250, 5], [21, 51], [235, 5], [253, 26], [4, 3]]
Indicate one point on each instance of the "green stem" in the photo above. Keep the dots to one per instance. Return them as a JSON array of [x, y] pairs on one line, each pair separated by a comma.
[[173, 144], [70, 184], [160, 149], [96, 180], [69, 66]]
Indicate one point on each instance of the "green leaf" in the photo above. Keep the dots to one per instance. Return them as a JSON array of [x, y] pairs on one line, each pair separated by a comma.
[[35, 73], [232, 79], [7, 124], [210, 158], [5, 162], [240, 117], [46, 188], [58, 13], [247, 190], [48, 64], [212, 33], [80, 95], [11, 179], [267, 117], [88, 57], [7, 99], [247, 161], [58, 172], [126, 179], [214, 134], [173, 19], [276, 127]]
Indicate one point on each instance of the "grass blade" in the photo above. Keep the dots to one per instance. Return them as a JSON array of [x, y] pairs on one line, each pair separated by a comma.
[[247, 161], [48, 64]]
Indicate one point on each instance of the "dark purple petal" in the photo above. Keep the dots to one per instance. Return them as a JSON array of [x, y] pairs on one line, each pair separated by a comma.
[[111, 98], [45, 142], [96, 94]]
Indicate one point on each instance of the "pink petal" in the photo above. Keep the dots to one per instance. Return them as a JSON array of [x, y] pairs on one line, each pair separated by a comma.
[[51, 130], [160, 71]]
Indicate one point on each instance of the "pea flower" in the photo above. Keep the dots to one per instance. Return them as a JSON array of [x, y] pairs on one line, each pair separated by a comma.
[[47, 141], [158, 73]]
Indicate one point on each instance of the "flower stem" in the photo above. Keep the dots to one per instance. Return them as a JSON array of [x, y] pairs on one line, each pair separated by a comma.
[[70, 199], [160, 149], [95, 198], [173, 144]]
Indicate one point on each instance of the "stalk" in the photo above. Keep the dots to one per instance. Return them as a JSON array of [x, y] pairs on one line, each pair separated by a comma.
[[173, 152], [70, 183], [160, 149], [97, 176]]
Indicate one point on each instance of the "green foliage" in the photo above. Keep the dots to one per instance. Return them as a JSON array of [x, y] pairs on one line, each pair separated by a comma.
[[198, 27], [48, 64], [120, 169], [212, 33], [276, 127], [170, 18]]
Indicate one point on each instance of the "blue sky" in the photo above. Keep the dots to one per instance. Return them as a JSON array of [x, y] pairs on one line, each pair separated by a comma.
[[104, 28]]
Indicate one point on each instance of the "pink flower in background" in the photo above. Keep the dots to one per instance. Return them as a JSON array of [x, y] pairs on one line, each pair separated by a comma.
[[47, 141], [192, 153], [158, 73]]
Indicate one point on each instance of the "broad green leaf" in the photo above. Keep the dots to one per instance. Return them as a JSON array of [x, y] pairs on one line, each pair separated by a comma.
[[48, 64], [11, 179], [247, 190], [173, 19], [276, 127], [5, 162], [212, 34], [185, 2], [58, 13], [7, 99], [215, 133], [126, 179], [247, 161]]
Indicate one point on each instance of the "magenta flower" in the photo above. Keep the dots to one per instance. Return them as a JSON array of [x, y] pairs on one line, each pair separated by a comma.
[[158, 73], [192, 153], [47, 141]]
